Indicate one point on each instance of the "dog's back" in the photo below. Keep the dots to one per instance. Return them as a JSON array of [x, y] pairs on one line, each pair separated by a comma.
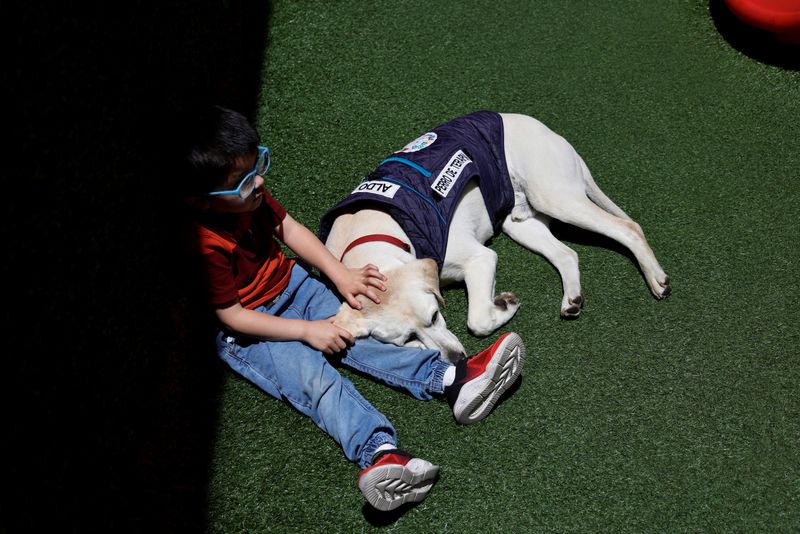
[[421, 184]]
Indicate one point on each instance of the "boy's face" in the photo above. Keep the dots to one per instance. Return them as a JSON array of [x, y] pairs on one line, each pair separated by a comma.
[[234, 203]]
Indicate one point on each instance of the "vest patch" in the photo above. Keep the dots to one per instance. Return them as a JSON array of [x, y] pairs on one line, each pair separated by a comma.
[[421, 187], [377, 187], [447, 178], [419, 143]]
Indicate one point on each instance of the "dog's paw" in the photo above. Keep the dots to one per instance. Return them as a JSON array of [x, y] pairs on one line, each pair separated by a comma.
[[484, 321], [571, 308], [505, 300], [663, 290]]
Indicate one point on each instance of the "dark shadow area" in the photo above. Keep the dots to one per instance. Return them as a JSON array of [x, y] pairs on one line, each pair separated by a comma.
[[755, 43], [115, 385], [376, 518], [573, 234]]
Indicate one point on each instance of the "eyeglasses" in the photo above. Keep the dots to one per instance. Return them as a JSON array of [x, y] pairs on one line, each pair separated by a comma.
[[248, 183]]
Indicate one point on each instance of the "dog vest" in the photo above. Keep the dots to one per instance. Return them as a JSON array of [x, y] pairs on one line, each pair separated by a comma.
[[420, 184]]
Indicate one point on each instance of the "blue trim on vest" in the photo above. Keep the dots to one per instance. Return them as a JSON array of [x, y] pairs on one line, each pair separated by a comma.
[[411, 164], [420, 195], [480, 136]]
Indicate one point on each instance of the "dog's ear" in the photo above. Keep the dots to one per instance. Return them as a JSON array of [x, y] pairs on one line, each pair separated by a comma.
[[351, 320], [438, 296], [430, 270]]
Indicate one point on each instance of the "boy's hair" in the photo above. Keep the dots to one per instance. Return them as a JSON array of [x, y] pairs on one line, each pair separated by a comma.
[[216, 137]]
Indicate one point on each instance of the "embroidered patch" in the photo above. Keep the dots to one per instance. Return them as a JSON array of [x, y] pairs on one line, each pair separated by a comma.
[[449, 175], [377, 187], [424, 140]]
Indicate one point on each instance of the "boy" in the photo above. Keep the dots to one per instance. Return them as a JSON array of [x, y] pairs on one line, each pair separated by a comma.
[[277, 321]]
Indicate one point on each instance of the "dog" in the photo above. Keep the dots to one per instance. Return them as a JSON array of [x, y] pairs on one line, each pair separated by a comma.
[[469, 179]]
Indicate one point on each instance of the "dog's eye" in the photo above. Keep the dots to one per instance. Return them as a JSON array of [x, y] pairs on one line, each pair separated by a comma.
[[435, 317]]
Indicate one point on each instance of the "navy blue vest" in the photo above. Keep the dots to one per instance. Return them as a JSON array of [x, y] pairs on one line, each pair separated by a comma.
[[419, 185]]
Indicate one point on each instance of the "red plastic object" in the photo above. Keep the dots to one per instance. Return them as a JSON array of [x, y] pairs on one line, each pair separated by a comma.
[[781, 17]]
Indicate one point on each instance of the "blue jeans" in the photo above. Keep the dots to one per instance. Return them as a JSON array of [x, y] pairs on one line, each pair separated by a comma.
[[302, 376]]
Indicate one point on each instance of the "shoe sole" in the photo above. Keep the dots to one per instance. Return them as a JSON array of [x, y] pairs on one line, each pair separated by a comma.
[[484, 391], [387, 487]]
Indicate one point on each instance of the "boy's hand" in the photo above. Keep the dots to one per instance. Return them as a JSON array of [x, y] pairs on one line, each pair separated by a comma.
[[349, 282], [360, 281], [327, 337]]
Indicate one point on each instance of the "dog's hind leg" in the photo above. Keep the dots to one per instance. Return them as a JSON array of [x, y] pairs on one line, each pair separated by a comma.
[[534, 234], [557, 182], [585, 214]]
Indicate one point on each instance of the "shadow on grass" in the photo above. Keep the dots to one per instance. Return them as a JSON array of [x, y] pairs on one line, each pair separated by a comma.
[[114, 426], [573, 234], [376, 518], [756, 44]]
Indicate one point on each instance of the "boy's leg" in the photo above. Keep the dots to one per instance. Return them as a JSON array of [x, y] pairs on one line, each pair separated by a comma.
[[480, 381], [419, 371], [476, 384], [294, 372], [298, 374]]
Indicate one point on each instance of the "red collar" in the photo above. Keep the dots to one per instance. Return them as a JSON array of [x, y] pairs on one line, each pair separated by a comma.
[[377, 237]]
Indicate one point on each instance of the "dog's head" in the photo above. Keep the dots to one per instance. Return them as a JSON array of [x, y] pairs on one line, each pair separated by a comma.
[[408, 313]]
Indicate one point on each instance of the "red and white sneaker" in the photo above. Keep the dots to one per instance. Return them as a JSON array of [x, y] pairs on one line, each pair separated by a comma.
[[396, 478], [482, 379]]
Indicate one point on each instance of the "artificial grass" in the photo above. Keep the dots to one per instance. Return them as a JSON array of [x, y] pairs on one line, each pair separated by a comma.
[[679, 415]]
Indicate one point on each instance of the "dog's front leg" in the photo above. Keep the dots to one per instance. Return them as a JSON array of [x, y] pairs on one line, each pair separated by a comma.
[[534, 234], [487, 311]]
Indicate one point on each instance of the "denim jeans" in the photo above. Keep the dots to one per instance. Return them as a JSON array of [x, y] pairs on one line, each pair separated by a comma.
[[302, 376]]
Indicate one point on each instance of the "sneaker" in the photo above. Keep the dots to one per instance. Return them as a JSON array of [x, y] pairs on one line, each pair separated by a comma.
[[395, 478], [482, 379]]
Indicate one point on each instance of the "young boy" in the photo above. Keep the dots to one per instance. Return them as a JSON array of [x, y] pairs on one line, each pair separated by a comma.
[[277, 321]]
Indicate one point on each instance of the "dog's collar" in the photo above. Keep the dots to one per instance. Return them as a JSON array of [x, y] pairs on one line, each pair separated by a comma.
[[377, 237]]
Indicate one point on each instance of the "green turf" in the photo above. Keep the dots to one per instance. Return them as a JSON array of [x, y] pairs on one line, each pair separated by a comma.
[[680, 415]]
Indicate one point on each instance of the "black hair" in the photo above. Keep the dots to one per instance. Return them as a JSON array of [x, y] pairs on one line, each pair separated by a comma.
[[215, 137]]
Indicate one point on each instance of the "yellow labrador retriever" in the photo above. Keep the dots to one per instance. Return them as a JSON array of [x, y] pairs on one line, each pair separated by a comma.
[[424, 215]]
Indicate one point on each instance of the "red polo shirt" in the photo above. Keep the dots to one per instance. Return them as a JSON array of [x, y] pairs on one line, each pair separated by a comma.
[[243, 260]]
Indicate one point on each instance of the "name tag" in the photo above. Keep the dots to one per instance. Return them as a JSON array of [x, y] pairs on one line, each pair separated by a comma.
[[449, 175], [377, 187]]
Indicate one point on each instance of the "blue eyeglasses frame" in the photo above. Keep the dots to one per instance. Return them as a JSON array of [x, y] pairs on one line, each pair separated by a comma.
[[247, 185]]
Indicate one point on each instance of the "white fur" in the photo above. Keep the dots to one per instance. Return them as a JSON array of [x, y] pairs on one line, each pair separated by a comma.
[[550, 181]]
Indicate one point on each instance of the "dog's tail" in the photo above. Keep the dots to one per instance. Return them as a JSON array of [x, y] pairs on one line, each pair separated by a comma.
[[597, 196]]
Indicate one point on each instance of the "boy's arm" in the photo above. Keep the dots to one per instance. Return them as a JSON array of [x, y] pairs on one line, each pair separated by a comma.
[[349, 282], [322, 335]]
